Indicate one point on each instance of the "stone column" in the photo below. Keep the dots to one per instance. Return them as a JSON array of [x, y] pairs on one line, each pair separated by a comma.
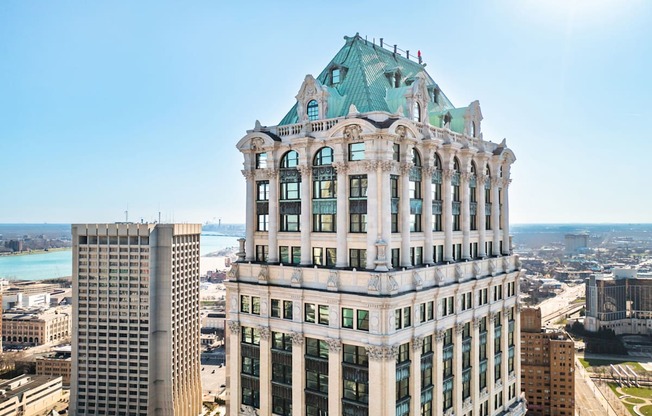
[[342, 255], [465, 212], [371, 167], [306, 204], [481, 212], [426, 177], [250, 214], [265, 371], [382, 370], [438, 372], [235, 364], [385, 219], [335, 384], [415, 375], [517, 345], [495, 214], [457, 369], [506, 246], [273, 216], [475, 365], [490, 359], [447, 214], [298, 374], [404, 214]]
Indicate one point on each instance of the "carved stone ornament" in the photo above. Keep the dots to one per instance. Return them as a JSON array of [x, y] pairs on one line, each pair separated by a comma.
[[467, 403], [506, 310], [248, 410], [417, 343], [297, 276], [341, 167], [447, 174], [334, 345], [381, 352], [370, 165], [459, 327], [232, 274], [386, 165], [428, 171], [440, 334], [505, 264], [297, 338], [477, 271], [495, 182], [234, 326], [481, 179], [405, 167], [484, 393], [393, 284], [401, 132], [264, 332], [449, 412], [492, 267], [465, 176], [439, 276], [476, 322], [374, 283], [352, 133], [263, 274], [519, 306], [305, 171], [506, 183], [459, 272], [270, 173], [418, 280], [333, 280], [248, 174]]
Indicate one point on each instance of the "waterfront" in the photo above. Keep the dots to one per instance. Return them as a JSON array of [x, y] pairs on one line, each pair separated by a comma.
[[59, 263]]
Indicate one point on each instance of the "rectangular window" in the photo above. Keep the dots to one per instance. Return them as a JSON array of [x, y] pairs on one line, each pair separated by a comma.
[[262, 253], [323, 315], [396, 152], [318, 256], [290, 222], [358, 258], [356, 151], [324, 223], [347, 318], [296, 255], [290, 191], [261, 160], [358, 223], [287, 309], [276, 308], [245, 304], [255, 305], [263, 222], [416, 256], [263, 190], [396, 258], [439, 253], [310, 313], [415, 223], [436, 222], [317, 348], [363, 320]]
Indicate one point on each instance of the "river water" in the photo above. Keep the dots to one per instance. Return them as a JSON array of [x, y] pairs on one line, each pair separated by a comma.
[[59, 263]]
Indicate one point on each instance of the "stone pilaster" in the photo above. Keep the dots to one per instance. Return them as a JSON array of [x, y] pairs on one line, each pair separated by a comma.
[[273, 216], [457, 368], [415, 375], [404, 213], [335, 384], [306, 204], [371, 167], [385, 219], [447, 214], [475, 365], [426, 175], [265, 371], [465, 212], [382, 370], [505, 202], [438, 373], [235, 363], [298, 374], [250, 214], [482, 219], [342, 256], [495, 214]]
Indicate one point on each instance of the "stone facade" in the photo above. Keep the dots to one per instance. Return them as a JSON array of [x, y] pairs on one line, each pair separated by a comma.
[[376, 277]]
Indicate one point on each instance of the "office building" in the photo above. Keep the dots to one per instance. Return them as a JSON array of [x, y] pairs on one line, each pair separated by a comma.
[[376, 277], [29, 395], [136, 320], [547, 367], [576, 243], [621, 301], [36, 327]]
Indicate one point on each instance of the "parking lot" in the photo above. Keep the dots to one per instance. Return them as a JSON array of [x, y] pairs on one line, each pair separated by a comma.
[[213, 374]]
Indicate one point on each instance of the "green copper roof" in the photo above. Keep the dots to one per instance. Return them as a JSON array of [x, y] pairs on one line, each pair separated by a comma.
[[365, 82]]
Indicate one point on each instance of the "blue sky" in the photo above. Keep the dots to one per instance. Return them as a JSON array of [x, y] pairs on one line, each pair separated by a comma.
[[109, 105]]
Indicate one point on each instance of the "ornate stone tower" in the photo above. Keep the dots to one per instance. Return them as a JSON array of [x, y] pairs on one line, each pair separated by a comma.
[[377, 276]]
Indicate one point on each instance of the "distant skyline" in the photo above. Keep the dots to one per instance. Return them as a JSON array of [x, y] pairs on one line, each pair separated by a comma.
[[107, 107]]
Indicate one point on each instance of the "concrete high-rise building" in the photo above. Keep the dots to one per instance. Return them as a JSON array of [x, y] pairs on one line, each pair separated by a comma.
[[547, 367], [376, 277], [575, 243], [136, 328]]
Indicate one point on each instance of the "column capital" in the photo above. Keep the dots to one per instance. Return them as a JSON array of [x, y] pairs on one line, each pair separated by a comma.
[[405, 167], [234, 327], [476, 322], [352, 133], [506, 182], [341, 167], [382, 352], [297, 338], [417, 343], [495, 182], [334, 345], [447, 174], [459, 328], [370, 165], [387, 165], [248, 174], [305, 171], [264, 332], [481, 179], [440, 334], [270, 173]]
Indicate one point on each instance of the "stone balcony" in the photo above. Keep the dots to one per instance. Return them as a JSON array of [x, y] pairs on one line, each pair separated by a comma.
[[371, 282]]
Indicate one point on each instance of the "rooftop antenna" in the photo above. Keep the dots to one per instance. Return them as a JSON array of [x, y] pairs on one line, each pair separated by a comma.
[[381, 42], [127, 215], [159, 217]]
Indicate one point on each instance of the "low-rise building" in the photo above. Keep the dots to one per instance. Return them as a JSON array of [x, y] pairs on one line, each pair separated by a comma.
[[22, 300], [29, 395], [57, 364], [547, 359], [36, 327]]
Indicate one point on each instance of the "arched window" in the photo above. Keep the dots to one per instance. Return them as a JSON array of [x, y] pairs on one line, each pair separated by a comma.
[[290, 159], [313, 110], [290, 193], [455, 183], [473, 198], [416, 112], [487, 199], [436, 195], [324, 191], [473, 129], [415, 192], [323, 157]]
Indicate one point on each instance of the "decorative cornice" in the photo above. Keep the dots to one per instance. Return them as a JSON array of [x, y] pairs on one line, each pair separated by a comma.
[[341, 167], [248, 174], [382, 352], [370, 165], [270, 173], [386, 165]]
